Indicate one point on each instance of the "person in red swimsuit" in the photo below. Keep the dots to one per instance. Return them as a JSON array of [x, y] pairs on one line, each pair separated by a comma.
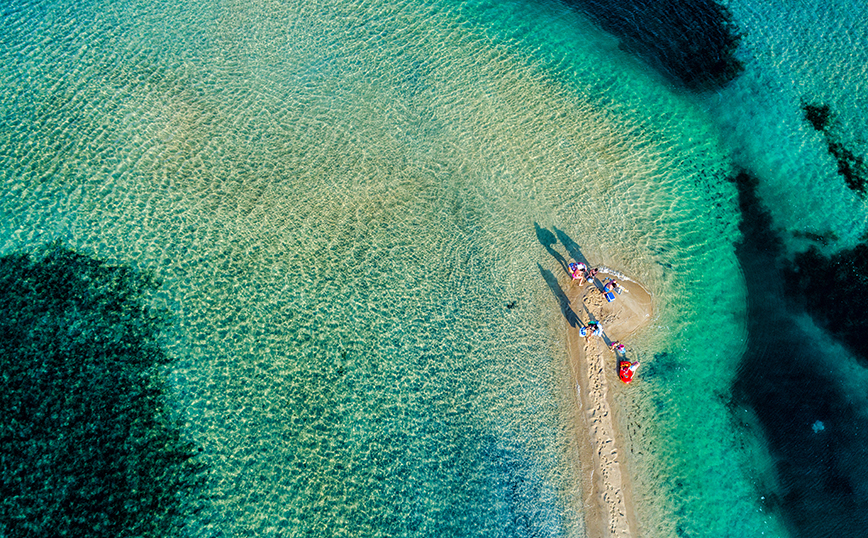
[[626, 370]]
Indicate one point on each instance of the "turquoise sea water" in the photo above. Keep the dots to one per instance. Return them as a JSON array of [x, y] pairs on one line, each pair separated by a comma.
[[341, 199]]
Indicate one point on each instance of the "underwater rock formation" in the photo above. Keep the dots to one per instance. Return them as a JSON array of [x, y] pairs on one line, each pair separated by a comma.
[[834, 290], [850, 166], [87, 443], [817, 115], [816, 433], [692, 42]]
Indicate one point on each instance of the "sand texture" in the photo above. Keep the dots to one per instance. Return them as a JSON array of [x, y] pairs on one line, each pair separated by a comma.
[[607, 494]]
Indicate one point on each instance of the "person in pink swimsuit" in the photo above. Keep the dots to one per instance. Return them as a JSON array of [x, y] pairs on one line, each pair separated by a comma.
[[578, 271]]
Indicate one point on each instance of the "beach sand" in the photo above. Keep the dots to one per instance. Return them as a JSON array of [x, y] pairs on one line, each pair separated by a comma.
[[607, 491]]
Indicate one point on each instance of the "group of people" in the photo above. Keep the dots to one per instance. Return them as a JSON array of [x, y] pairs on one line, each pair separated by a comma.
[[579, 271], [626, 368]]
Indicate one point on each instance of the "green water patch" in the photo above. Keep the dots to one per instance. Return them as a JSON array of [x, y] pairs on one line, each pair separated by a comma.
[[88, 443]]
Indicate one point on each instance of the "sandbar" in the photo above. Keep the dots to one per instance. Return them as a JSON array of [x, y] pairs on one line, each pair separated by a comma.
[[606, 484]]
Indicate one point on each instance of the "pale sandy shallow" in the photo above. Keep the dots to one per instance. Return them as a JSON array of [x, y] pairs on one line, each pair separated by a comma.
[[607, 491]]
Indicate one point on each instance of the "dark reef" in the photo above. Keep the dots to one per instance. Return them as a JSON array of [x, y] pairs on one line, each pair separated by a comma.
[[850, 166], [692, 42], [87, 444], [817, 115], [816, 432], [834, 290]]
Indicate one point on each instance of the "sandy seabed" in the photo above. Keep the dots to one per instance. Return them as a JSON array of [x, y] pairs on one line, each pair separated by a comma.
[[607, 490]]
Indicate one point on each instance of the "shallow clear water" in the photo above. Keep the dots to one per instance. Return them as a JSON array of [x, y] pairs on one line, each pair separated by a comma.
[[341, 199]]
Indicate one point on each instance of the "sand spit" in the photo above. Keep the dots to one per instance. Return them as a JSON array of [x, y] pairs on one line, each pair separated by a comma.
[[607, 494]]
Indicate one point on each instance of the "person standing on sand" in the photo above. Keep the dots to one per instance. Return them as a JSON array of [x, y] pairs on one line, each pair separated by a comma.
[[618, 347]]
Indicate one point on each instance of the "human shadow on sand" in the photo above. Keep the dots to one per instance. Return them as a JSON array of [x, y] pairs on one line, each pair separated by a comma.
[[547, 239], [571, 246], [575, 253], [562, 298]]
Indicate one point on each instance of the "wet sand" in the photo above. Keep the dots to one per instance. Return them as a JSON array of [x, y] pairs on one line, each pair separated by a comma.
[[607, 489]]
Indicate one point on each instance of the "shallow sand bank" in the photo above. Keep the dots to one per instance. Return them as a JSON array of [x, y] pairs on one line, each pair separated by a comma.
[[607, 490]]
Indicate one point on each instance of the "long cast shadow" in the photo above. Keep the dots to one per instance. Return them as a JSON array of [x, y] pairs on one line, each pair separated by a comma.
[[547, 239], [559, 294], [572, 247], [576, 253]]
